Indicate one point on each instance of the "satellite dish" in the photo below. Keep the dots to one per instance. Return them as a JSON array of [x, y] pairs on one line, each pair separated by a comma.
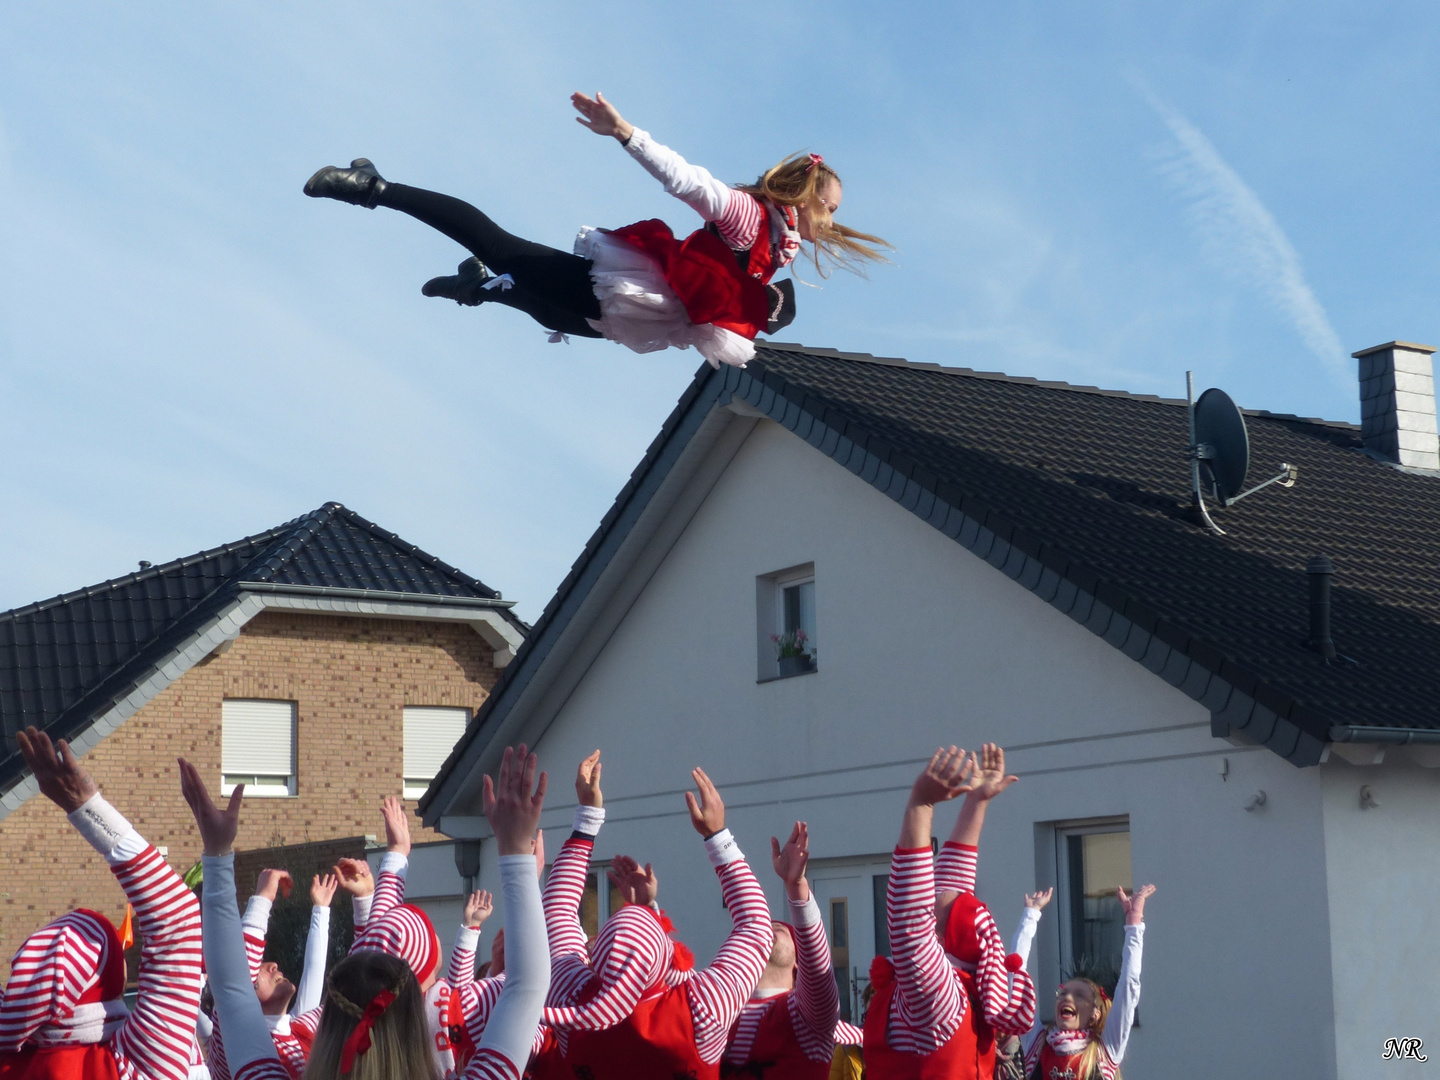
[[1220, 452], [1222, 444]]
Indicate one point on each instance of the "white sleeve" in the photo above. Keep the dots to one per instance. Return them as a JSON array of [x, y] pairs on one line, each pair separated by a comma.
[[1025, 934], [692, 185], [1127, 996], [107, 830], [317, 951], [256, 920], [361, 906], [237, 1009], [510, 1030]]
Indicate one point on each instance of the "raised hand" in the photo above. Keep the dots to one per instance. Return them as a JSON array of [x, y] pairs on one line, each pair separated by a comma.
[[217, 827], [600, 116], [1038, 900], [791, 860], [637, 884], [991, 778], [513, 801], [587, 782], [397, 825], [355, 877], [271, 883], [479, 906], [61, 778], [948, 774], [1134, 904], [707, 810], [323, 887]]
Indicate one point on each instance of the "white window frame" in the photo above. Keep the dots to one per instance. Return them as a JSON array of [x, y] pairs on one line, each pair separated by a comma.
[[770, 619], [413, 785], [1063, 899], [261, 785]]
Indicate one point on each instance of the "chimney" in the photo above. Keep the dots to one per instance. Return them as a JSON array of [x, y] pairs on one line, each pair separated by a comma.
[[1320, 570], [1397, 404]]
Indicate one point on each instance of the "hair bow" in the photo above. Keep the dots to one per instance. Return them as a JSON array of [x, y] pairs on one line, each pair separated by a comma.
[[359, 1040], [815, 159]]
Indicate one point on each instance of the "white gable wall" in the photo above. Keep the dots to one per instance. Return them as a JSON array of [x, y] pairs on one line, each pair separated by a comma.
[[921, 643]]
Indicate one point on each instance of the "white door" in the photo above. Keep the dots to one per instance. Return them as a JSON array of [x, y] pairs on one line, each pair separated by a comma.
[[848, 891]]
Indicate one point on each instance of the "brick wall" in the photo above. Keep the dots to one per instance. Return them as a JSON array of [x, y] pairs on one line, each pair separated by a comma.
[[350, 679]]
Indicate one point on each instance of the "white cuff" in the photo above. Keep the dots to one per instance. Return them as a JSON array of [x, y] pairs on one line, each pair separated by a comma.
[[588, 819], [467, 938], [636, 145], [107, 830], [1030, 914], [256, 920], [722, 849], [805, 912], [395, 863], [360, 906]]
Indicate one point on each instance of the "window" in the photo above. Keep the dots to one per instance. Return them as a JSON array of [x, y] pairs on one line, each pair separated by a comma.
[[592, 900], [840, 951], [786, 625], [257, 747], [1093, 861], [431, 732]]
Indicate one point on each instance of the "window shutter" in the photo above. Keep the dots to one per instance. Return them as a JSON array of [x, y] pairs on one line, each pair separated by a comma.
[[431, 732], [257, 738]]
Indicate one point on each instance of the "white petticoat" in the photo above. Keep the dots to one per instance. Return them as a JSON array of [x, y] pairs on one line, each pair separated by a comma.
[[639, 310]]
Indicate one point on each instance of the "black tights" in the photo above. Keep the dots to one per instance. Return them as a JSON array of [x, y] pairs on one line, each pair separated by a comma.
[[552, 287]]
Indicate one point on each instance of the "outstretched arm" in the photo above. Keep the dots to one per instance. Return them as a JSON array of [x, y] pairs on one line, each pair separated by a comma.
[[479, 906], [718, 993], [355, 878], [394, 864], [566, 884], [815, 1004], [956, 866], [156, 1038], [317, 944], [255, 923], [249, 1047], [1127, 989]]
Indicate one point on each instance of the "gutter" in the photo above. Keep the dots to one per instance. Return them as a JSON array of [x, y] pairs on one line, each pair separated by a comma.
[[1361, 733], [372, 594]]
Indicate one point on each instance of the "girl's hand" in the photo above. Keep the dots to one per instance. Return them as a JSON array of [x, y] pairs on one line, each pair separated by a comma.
[[601, 117], [587, 782], [791, 860], [217, 827], [478, 907], [513, 800], [1038, 900], [355, 877], [397, 825], [322, 889], [1134, 904]]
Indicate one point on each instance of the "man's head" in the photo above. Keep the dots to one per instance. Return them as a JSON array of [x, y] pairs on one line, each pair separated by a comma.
[[273, 989]]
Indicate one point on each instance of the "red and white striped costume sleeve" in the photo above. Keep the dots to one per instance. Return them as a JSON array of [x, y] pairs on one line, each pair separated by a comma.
[[461, 968], [389, 887], [477, 997], [738, 215], [929, 1002], [718, 993], [255, 924], [955, 868], [154, 1042], [564, 888]]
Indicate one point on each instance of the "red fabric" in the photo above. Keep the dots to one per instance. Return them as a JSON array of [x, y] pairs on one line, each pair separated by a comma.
[[656, 1042], [92, 1061], [359, 1041], [706, 277], [1059, 1066], [956, 1060], [776, 1054], [547, 1062], [981, 1034]]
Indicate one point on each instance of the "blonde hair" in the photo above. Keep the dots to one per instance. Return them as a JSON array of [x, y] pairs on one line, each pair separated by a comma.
[[399, 1039], [796, 182], [1090, 1056]]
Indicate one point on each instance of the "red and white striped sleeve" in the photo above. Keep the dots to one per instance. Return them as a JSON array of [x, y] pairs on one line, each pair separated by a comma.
[[718, 993], [740, 224], [929, 1003], [815, 1004], [389, 885], [155, 1040], [955, 868], [565, 887], [255, 924], [460, 971]]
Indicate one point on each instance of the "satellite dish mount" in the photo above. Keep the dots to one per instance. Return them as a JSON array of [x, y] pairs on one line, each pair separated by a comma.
[[1220, 452]]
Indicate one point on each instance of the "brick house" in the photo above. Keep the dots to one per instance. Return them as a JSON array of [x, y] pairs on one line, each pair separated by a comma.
[[326, 663]]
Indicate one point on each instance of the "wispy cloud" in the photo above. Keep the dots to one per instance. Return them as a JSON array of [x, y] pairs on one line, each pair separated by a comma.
[[1240, 235]]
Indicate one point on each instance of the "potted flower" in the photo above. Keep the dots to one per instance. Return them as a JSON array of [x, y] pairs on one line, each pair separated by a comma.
[[791, 653]]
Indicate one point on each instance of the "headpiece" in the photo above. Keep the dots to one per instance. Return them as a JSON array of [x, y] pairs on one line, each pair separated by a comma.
[[404, 932], [815, 159], [70, 973]]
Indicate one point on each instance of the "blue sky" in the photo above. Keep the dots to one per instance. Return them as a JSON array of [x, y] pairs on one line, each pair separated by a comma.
[[1103, 193]]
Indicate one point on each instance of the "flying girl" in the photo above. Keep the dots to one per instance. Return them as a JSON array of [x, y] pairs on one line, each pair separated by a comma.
[[639, 285]]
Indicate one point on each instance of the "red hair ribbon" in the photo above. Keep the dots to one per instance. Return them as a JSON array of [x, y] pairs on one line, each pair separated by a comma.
[[359, 1040], [815, 159]]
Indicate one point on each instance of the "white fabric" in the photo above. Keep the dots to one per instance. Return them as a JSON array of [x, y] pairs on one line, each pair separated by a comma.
[[247, 1036], [256, 920], [106, 830], [804, 912], [691, 184], [467, 938], [91, 1023], [511, 1027], [360, 908], [1127, 995], [588, 819], [1025, 934], [394, 862], [317, 951], [722, 849], [639, 310]]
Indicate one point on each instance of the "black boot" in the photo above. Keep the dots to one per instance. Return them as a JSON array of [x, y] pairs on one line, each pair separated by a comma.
[[466, 287], [359, 185]]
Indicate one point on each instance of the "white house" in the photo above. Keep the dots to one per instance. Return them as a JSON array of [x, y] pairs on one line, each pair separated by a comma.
[[977, 557]]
